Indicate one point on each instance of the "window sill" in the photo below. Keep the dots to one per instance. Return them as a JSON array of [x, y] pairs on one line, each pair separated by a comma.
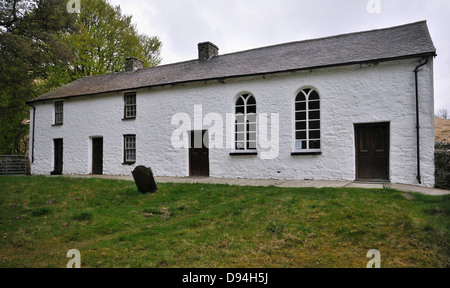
[[57, 125], [129, 119], [129, 163], [306, 153], [244, 153]]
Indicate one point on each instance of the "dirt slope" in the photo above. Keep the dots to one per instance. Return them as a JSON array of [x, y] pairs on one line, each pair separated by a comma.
[[442, 129]]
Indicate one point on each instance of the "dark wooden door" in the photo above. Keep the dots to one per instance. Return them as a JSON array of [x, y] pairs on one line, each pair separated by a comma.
[[199, 154], [97, 156], [372, 151], [58, 156]]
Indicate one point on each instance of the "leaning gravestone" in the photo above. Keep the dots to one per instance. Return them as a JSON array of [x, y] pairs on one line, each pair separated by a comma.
[[145, 182]]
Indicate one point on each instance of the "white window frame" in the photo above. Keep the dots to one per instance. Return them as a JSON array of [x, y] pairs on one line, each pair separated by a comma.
[[298, 145], [59, 113], [129, 149], [245, 119], [130, 110]]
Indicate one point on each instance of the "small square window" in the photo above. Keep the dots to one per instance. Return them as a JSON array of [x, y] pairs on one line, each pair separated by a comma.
[[130, 149], [59, 113], [130, 106]]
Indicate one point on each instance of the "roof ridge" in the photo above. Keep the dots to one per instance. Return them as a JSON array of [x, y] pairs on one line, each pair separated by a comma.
[[326, 37], [266, 47]]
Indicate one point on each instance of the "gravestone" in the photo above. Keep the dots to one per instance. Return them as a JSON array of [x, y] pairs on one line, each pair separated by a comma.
[[145, 182]]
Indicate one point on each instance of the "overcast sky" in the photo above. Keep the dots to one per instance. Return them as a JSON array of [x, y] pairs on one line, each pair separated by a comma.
[[236, 25]]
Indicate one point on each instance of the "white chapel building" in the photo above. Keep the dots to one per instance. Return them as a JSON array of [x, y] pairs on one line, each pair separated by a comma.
[[357, 106]]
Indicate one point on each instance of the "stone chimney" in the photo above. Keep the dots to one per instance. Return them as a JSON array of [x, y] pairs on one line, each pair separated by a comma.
[[133, 64], [207, 50]]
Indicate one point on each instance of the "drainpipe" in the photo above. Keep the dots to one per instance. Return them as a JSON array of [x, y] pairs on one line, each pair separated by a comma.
[[416, 72], [34, 125]]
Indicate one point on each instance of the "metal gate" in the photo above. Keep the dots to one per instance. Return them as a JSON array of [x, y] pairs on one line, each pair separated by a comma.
[[13, 165]]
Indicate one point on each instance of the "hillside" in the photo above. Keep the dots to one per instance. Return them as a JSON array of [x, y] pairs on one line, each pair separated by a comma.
[[442, 129]]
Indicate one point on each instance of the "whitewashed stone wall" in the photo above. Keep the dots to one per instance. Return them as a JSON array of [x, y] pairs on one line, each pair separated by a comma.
[[349, 95]]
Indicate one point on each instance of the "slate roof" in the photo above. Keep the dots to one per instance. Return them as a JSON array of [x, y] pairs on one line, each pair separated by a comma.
[[411, 40]]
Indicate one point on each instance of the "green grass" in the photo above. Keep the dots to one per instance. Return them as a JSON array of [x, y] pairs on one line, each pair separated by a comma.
[[199, 225]]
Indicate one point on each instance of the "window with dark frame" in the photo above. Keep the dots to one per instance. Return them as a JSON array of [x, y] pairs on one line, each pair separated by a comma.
[[130, 106], [307, 121], [129, 149], [59, 113], [245, 121]]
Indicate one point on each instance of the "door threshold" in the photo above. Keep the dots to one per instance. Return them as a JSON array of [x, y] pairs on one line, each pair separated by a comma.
[[371, 181]]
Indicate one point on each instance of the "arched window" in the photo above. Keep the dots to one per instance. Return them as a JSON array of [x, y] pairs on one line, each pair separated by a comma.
[[245, 123], [307, 121]]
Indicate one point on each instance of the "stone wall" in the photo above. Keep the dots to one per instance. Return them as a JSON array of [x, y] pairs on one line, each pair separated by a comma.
[[442, 159], [349, 95]]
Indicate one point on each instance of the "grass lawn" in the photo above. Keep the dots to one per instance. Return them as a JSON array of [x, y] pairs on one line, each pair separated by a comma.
[[208, 226]]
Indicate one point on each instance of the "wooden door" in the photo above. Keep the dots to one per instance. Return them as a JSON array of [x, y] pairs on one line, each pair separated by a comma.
[[199, 154], [58, 156], [97, 156], [372, 151]]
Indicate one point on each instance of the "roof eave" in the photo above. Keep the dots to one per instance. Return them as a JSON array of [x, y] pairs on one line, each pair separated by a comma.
[[420, 55]]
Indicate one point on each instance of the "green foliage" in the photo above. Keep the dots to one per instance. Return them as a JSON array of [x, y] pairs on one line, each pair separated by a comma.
[[105, 39], [442, 164], [43, 47], [29, 45]]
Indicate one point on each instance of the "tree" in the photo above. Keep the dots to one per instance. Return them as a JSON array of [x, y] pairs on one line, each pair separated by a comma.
[[28, 47], [13, 11], [42, 47], [443, 113], [105, 39]]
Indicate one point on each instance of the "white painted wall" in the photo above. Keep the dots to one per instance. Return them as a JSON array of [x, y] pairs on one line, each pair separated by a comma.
[[349, 95]]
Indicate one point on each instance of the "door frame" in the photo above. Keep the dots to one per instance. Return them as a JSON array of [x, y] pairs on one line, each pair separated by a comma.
[[190, 151], [93, 139], [58, 156], [385, 125]]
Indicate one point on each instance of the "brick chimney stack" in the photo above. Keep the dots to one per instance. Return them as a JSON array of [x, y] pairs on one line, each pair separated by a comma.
[[207, 50], [133, 64]]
